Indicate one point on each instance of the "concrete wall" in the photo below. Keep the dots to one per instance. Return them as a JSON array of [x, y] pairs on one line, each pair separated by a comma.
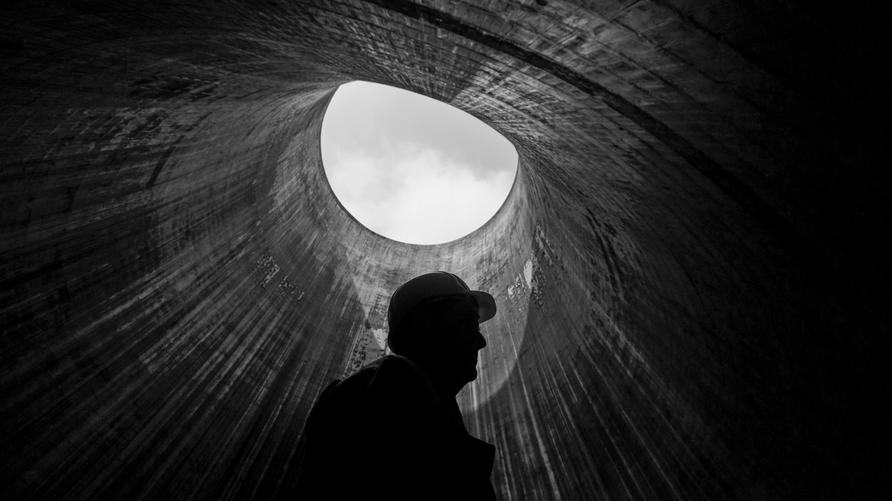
[[686, 266]]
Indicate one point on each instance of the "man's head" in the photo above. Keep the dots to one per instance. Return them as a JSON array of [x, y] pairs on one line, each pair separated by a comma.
[[434, 320]]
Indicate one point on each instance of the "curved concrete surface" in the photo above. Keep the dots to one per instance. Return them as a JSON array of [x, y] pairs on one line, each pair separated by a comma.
[[685, 265]]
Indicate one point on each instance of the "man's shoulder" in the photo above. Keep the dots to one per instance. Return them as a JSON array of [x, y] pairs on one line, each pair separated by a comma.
[[388, 372], [391, 385]]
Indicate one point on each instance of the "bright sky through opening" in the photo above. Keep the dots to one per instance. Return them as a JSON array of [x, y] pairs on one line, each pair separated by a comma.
[[412, 168]]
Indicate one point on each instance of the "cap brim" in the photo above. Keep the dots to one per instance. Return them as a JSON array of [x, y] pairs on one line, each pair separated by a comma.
[[486, 306]]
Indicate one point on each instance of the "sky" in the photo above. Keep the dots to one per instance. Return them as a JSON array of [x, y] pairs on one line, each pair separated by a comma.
[[412, 168]]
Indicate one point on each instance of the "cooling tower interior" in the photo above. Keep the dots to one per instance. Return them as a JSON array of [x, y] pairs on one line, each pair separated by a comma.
[[688, 266]]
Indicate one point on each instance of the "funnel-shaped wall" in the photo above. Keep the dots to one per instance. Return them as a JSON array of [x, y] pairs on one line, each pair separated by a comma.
[[685, 298]]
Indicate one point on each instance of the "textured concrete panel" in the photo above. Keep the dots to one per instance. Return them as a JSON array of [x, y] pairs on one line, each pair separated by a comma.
[[686, 266]]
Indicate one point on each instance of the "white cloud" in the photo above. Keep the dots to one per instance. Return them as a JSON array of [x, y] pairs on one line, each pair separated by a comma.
[[407, 184]]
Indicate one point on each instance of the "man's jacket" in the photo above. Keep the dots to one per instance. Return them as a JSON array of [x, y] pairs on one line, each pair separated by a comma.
[[384, 432]]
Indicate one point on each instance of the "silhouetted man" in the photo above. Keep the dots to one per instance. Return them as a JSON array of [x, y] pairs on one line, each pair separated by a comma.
[[393, 430]]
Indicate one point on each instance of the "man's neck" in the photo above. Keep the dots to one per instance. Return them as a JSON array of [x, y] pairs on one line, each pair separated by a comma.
[[445, 389]]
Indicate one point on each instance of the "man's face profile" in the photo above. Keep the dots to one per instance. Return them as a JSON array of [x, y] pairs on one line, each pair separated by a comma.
[[434, 321], [456, 337]]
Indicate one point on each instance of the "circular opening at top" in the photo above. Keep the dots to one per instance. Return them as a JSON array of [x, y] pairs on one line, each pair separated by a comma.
[[412, 168]]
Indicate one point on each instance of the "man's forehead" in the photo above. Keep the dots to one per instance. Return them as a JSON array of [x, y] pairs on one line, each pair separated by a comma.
[[466, 312], [463, 307]]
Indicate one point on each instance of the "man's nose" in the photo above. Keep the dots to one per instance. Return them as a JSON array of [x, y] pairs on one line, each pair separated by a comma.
[[481, 341]]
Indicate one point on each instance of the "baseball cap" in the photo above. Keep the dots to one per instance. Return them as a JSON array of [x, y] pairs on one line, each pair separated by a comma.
[[431, 286]]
